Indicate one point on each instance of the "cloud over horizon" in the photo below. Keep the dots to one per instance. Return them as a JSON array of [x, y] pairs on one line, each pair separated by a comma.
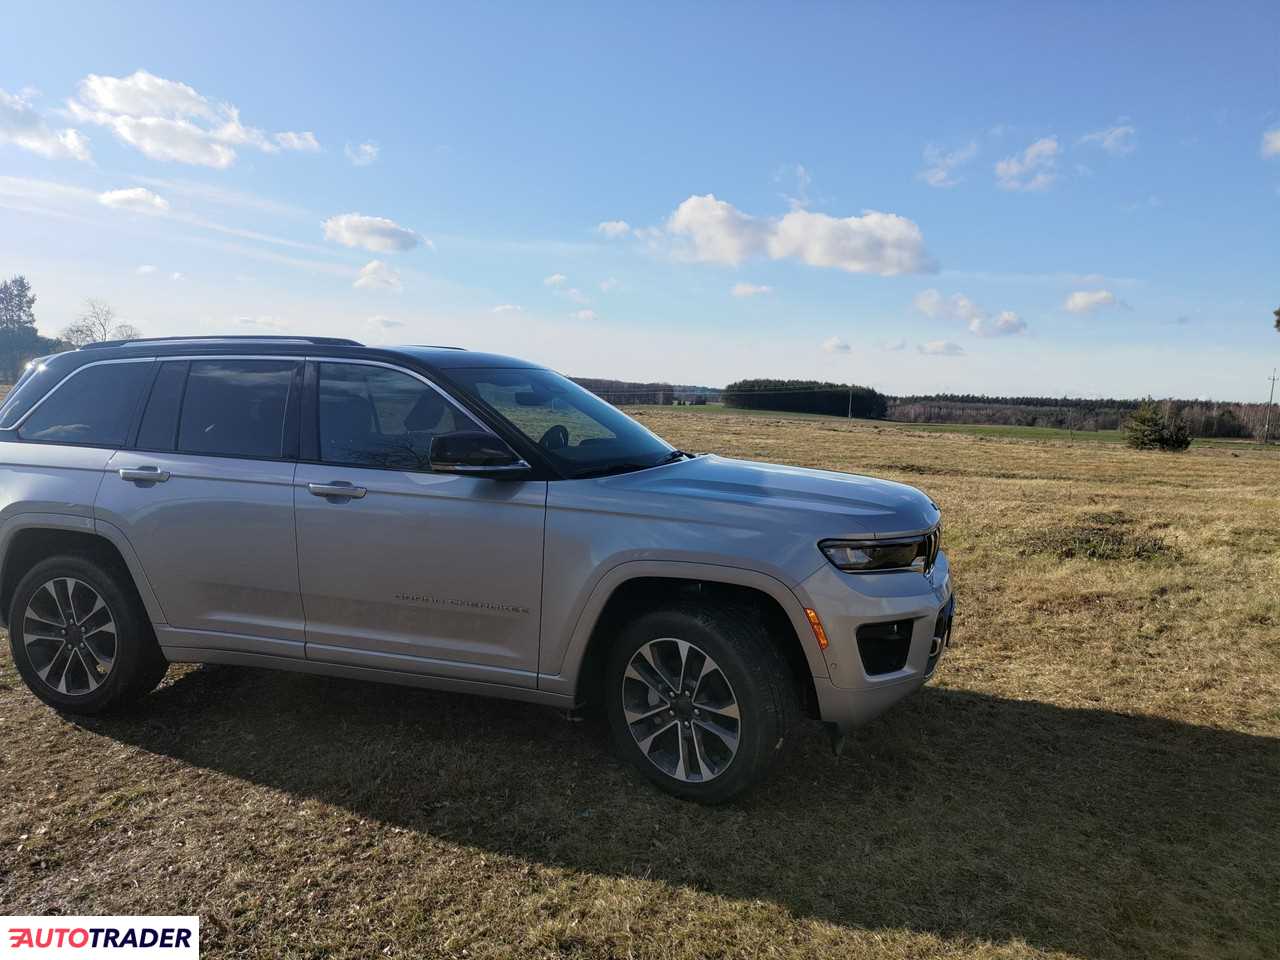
[[376, 234], [715, 231], [22, 126], [170, 121]]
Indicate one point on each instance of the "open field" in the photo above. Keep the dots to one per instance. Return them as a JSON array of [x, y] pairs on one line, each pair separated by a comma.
[[1095, 771], [995, 430]]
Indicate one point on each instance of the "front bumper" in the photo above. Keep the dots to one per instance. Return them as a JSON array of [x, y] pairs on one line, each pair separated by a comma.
[[913, 612]]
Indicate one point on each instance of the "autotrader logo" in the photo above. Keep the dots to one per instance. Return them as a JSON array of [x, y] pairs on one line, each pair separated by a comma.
[[53, 938]]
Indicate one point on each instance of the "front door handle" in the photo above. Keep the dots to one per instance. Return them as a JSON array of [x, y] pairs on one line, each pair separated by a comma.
[[339, 488], [144, 474]]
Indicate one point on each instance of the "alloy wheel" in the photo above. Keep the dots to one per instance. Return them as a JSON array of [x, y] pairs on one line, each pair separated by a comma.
[[681, 710], [70, 636]]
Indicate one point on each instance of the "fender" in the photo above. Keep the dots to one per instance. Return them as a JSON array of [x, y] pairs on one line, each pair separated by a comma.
[[73, 523], [565, 682], [117, 538]]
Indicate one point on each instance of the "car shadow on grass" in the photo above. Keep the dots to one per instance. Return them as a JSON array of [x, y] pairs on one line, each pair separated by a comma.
[[957, 814]]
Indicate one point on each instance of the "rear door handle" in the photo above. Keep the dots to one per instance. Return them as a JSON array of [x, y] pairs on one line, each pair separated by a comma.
[[144, 474], [339, 488]]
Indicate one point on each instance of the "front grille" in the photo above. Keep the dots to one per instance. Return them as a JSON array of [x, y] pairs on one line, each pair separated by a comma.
[[884, 646]]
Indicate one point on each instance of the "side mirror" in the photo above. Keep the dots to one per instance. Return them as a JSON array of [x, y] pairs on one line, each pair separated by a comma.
[[474, 452]]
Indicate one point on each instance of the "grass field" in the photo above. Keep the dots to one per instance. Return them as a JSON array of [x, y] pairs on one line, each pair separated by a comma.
[[1094, 772], [995, 430]]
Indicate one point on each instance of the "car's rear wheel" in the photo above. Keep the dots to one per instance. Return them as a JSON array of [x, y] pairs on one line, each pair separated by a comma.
[[700, 700], [80, 638]]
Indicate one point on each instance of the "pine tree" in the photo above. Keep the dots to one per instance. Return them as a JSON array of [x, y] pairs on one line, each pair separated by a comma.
[[1145, 427], [19, 339], [17, 304]]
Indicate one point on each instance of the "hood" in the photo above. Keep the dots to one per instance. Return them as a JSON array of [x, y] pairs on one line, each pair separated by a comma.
[[839, 504]]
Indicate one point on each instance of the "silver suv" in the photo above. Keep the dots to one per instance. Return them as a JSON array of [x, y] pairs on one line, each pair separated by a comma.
[[454, 520]]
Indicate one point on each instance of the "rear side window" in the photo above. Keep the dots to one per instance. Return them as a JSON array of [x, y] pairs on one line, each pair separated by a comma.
[[236, 407], [93, 406], [159, 426]]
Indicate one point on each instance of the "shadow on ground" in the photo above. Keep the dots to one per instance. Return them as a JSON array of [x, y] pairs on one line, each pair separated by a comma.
[[958, 814]]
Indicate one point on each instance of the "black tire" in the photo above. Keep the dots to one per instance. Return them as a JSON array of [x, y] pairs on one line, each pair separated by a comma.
[[735, 639], [137, 664]]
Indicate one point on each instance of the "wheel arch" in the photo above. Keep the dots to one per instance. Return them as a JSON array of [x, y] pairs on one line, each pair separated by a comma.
[[33, 538], [635, 587]]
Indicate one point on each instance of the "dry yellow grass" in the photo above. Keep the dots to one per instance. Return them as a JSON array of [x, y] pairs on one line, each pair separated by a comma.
[[1094, 773]]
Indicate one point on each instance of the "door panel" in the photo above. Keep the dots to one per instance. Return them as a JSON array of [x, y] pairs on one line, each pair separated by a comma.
[[428, 573], [217, 542]]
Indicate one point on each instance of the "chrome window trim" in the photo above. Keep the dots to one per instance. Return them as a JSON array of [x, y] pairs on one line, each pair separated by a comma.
[[294, 358], [412, 373], [65, 380]]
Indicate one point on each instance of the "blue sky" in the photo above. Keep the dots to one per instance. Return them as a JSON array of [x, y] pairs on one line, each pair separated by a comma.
[[996, 198]]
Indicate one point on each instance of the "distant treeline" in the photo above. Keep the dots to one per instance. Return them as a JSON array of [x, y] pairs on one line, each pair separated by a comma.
[[1203, 418], [807, 396], [625, 391]]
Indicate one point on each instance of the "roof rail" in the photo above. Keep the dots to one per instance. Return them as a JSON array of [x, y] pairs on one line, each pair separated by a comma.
[[325, 341], [436, 346]]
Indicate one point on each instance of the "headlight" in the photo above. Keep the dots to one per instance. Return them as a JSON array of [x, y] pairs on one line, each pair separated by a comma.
[[869, 556]]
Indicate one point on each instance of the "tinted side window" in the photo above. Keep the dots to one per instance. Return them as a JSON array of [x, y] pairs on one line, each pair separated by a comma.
[[94, 406], [236, 407], [374, 417], [160, 421]]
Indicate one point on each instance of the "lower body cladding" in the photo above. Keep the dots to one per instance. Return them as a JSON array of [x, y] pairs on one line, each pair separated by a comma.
[[885, 632]]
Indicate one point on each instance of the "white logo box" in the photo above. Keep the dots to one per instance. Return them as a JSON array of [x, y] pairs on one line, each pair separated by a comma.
[[81, 938]]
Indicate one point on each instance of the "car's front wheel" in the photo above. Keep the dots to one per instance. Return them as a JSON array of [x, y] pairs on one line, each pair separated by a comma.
[[80, 638], [700, 699]]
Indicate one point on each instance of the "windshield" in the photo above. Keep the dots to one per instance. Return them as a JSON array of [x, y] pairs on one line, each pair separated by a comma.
[[580, 433]]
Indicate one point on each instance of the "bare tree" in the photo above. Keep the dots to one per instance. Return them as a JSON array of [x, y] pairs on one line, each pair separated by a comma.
[[96, 324]]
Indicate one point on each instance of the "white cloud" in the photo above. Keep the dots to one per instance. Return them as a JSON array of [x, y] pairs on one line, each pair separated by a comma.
[[555, 280], [383, 322], [305, 142], [585, 315], [1033, 169], [1006, 323], [614, 228], [377, 275], [959, 307], [146, 270], [1271, 143], [835, 345], [22, 126], [956, 307], [940, 165], [608, 284], [377, 234], [881, 243], [508, 308], [144, 94], [171, 121], [1084, 301], [719, 232], [176, 276], [136, 199], [941, 348], [1119, 140], [362, 154], [899, 343], [750, 290]]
